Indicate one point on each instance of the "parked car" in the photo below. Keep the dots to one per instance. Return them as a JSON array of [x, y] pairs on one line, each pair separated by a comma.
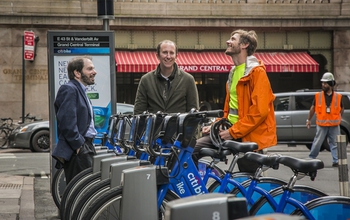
[[291, 111], [36, 135], [125, 108]]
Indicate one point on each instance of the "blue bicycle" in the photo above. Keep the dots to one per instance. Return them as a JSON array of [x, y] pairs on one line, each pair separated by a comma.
[[164, 130], [284, 200], [183, 178]]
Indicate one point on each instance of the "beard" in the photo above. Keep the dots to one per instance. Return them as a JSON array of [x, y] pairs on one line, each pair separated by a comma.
[[326, 88], [85, 79], [232, 51]]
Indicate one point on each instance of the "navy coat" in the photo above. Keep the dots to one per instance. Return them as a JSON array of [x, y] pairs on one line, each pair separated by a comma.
[[73, 119]]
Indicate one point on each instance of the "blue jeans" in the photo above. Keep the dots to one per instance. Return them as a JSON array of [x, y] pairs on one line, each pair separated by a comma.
[[321, 133]]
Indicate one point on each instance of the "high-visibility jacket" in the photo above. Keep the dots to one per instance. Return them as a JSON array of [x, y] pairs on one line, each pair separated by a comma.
[[255, 106], [333, 118]]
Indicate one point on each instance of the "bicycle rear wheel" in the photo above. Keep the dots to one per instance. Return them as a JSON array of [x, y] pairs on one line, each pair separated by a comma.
[[300, 193], [329, 207], [3, 137], [107, 205]]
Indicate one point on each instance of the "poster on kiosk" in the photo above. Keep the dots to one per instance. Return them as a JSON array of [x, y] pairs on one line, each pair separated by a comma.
[[99, 45]]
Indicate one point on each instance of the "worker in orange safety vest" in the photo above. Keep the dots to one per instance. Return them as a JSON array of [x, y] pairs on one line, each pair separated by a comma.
[[328, 108]]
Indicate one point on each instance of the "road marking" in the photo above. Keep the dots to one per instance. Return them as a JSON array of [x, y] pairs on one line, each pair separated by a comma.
[[7, 156], [43, 175]]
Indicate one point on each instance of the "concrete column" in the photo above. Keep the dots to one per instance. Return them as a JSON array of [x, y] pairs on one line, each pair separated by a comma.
[[341, 58]]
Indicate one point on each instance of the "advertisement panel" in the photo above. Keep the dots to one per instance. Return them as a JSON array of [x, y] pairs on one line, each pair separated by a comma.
[[99, 45]]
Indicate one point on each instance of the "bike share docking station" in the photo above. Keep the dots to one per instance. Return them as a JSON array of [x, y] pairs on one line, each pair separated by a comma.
[[139, 199]]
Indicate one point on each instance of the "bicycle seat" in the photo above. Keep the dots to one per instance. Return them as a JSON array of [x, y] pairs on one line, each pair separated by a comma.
[[301, 165], [214, 154], [239, 147], [267, 160]]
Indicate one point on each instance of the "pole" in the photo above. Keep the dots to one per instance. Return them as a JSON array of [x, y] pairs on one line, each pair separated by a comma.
[[343, 166], [23, 80], [106, 24]]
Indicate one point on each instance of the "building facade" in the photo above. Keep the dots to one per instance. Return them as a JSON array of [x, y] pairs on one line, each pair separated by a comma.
[[320, 29]]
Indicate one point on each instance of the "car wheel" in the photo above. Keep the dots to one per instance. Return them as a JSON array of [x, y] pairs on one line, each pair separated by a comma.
[[41, 141]]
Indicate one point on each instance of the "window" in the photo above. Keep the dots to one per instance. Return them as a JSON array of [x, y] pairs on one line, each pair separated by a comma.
[[281, 103], [303, 102], [346, 101]]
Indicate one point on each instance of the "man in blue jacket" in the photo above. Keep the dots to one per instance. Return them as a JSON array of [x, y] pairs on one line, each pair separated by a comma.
[[75, 121]]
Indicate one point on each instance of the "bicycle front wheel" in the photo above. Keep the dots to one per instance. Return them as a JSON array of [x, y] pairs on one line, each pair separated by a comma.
[[300, 193], [108, 204], [71, 186], [74, 193], [328, 207], [58, 186], [84, 202]]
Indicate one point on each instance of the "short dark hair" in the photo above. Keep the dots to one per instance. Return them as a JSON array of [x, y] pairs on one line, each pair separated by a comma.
[[76, 63], [168, 42], [248, 37]]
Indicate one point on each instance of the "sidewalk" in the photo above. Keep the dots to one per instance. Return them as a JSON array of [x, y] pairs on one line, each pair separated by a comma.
[[16, 197]]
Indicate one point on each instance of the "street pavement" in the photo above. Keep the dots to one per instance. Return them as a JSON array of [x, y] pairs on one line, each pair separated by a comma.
[[26, 197]]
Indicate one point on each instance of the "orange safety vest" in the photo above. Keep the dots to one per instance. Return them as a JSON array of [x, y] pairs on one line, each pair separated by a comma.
[[333, 118]]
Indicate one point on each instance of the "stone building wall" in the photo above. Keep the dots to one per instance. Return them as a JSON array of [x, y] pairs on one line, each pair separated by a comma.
[[195, 15]]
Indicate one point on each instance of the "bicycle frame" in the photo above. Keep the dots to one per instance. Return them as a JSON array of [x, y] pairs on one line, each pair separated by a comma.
[[287, 199], [185, 179]]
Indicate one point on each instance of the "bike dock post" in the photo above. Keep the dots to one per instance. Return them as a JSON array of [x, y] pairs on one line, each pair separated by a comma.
[[207, 206], [343, 165], [139, 198], [117, 169], [96, 161], [106, 163]]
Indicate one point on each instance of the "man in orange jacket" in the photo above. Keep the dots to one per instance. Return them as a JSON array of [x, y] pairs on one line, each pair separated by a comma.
[[249, 97], [328, 108]]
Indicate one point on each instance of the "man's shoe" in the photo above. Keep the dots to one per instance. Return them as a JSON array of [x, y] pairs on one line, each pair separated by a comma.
[[335, 165]]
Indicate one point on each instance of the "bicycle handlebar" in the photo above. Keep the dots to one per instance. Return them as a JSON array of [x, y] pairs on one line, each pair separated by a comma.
[[213, 113]]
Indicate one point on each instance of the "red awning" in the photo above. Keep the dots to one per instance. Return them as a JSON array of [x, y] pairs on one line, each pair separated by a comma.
[[288, 62], [213, 62]]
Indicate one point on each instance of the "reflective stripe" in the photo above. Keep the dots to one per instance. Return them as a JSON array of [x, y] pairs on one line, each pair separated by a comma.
[[335, 95], [233, 111], [335, 122]]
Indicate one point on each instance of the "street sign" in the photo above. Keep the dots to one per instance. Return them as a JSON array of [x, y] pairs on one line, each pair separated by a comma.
[[29, 45]]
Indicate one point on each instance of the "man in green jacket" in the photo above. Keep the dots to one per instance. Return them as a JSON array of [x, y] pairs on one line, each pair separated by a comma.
[[168, 88]]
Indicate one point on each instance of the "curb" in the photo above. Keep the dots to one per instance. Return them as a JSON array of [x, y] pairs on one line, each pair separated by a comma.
[[27, 206], [17, 197]]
